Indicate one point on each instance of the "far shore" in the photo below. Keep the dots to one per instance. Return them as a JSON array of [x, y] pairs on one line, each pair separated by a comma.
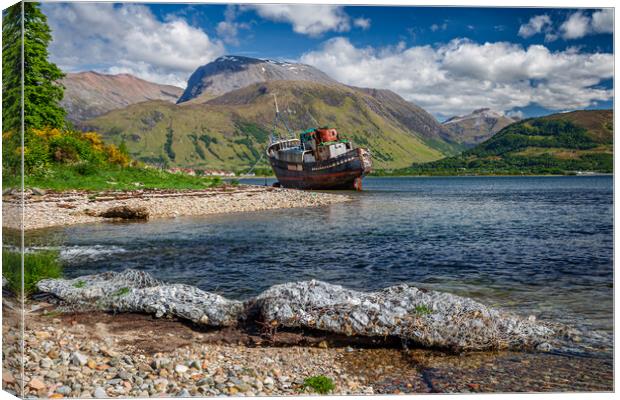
[[44, 209]]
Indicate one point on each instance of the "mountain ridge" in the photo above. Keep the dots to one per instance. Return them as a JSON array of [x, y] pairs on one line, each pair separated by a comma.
[[561, 143], [232, 130], [89, 94]]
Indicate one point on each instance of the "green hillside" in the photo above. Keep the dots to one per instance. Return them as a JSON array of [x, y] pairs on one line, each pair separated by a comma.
[[555, 144], [232, 130]]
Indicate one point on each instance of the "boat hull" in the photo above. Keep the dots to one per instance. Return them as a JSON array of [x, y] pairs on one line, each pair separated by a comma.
[[343, 172]]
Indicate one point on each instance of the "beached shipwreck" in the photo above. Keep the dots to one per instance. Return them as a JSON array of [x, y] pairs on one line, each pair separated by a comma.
[[319, 159], [416, 316]]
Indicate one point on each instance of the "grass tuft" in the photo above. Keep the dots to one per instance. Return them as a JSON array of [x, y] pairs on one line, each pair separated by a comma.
[[79, 284], [423, 310], [37, 266], [320, 384], [121, 292]]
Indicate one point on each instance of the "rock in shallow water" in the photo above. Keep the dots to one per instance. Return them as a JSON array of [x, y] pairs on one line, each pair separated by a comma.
[[126, 212], [137, 291], [427, 318]]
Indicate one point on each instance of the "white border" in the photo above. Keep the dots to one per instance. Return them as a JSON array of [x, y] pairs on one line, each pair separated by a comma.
[[454, 3]]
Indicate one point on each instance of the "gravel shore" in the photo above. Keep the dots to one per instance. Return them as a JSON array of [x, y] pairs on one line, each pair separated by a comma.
[[47, 209], [126, 355]]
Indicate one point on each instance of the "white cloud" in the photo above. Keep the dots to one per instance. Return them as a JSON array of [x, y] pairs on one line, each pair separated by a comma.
[[437, 27], [457, 77], [515, 114], [603, 21], [127, 38], [576, 26], [306, 19], [535, 25], [228, 30], [361, 22]]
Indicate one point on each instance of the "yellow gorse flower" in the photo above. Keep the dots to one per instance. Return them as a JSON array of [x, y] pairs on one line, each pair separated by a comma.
[[47, 133], [95, 139], [115, 156]]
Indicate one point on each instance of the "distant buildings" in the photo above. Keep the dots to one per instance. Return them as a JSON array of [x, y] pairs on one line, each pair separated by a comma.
[[200, 172]]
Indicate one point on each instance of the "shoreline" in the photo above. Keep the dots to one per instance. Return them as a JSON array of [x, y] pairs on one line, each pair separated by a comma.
[[91, 354], [47, 209]]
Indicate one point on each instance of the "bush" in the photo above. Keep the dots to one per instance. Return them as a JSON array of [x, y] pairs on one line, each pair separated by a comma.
[[320, 384], [37, 266]]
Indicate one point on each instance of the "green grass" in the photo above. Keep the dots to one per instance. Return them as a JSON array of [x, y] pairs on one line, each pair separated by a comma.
[[423, 310], [79, 284], [37, 266], [64, 177], [121, 292], [319, 383]]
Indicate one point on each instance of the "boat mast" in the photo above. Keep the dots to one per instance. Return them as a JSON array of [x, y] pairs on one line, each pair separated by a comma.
[[275, 138]]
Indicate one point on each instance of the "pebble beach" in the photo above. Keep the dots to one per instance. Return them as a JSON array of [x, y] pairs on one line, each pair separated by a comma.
[[44, 209], [125, 355]]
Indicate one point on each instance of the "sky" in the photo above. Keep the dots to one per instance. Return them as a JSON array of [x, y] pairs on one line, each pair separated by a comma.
[[448, 60]]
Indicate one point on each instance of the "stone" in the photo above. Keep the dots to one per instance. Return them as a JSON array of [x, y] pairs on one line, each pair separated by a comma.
[[7, 377], [124, 375], [138, 291], [91, 364], [99, 393], [78, 359], [36, 384], [184, 393], [427, 318], [243, 387], [126, 212], [42, 335], [205, 381], [37, 191], [181, 369], [64, 390]]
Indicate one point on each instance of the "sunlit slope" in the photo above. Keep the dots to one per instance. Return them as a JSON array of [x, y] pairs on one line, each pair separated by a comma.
[[232, 130]]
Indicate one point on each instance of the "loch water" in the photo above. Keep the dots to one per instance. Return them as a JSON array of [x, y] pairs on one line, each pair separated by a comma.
[[532, 245]]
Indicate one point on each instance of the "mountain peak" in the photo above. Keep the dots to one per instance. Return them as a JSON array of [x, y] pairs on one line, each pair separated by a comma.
[[231, 72], [476, 127]]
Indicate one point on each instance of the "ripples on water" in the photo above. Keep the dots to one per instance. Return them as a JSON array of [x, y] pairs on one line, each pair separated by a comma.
[[535, 245]]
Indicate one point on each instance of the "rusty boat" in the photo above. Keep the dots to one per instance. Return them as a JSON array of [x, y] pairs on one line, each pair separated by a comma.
[[318, 159]]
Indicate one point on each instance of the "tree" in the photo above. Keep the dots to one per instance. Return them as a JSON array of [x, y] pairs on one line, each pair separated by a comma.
[[42, 92]]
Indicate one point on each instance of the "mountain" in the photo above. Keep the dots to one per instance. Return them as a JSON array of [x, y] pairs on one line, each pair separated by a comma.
[[232, 130], [230, 73], [90, 94], [472, 129], [554, 144]]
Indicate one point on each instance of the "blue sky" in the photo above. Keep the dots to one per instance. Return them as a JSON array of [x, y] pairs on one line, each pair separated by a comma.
[[448, 60]]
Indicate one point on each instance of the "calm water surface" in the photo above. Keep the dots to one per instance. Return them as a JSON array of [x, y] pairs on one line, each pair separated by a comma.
[[534, 245]]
